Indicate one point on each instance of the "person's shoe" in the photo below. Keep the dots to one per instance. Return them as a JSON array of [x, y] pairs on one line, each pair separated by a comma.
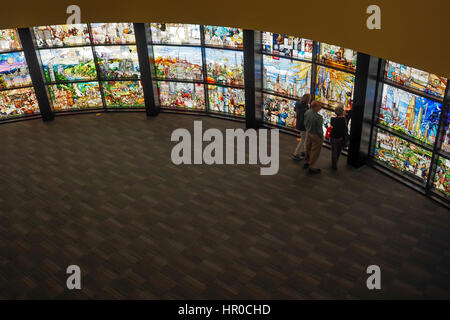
[[296, 157], [306, 166], [314, 170]]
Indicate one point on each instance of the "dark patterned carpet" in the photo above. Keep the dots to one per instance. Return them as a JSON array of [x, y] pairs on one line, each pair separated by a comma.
[[102, 193]]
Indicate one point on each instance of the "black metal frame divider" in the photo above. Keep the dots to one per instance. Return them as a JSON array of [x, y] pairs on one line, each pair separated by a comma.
[[141, 32], [366, 82], [34, 69]]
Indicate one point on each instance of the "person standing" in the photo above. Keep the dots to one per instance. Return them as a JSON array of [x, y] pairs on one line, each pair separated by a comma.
[[314, 140], [300, 108], [339, 133]]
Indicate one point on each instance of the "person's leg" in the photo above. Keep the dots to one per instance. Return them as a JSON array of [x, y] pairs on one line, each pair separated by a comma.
[[340, 146], [334, 152], [304, 137], [299, 152], [308, 150], [297, 148], [316, 147]]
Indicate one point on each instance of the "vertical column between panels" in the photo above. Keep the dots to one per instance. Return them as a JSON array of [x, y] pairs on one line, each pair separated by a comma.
[[152, 106], [252, 78], [364, 101], [204, 68], [376, 109], [35, 73]]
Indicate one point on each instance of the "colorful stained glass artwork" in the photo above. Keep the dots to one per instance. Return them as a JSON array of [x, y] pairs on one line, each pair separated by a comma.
[[118, 62], [113, 33], [13, 70], [285, 76], [442, 176], [410, 114], [62, 35], [175, 33], [123, 94], [18, 102], [225, 67], [79, 95], [68, 64], [415, 78], [446, 137], [224, 37], [336, 56], [9, 40], [402, 155], [226, 100], [181, 95], [326, 115], [279, 111], [334, 87], [182, 63], [280, 44]]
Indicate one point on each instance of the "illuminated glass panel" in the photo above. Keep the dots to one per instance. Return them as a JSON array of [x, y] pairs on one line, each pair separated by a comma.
[[279, 111], [183, 63], [181, 95], [334, 87], [9, 40], [442, 176], [18, 102], [68, 64], [327, 115], [337, 56], [227, 100], [410, 114], [446, 138], [286, 76], [224, 37], [123, 94], [80, 95], [415, 78], [225, 66], [280, 44], [175, 33], [13, 70], [118, 62], [402, 155], [113, 33], [62, 35]]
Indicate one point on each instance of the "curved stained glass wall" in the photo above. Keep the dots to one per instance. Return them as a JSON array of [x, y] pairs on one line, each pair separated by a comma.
[[199, 68], [17, 96], [90, 66], [411, 135]]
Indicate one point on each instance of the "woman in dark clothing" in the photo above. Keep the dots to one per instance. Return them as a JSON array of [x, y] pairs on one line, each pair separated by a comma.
[[339, 133], [300, 108]]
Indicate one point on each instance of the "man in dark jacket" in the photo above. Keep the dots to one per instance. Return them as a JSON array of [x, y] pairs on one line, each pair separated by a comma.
[[300, 108]]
